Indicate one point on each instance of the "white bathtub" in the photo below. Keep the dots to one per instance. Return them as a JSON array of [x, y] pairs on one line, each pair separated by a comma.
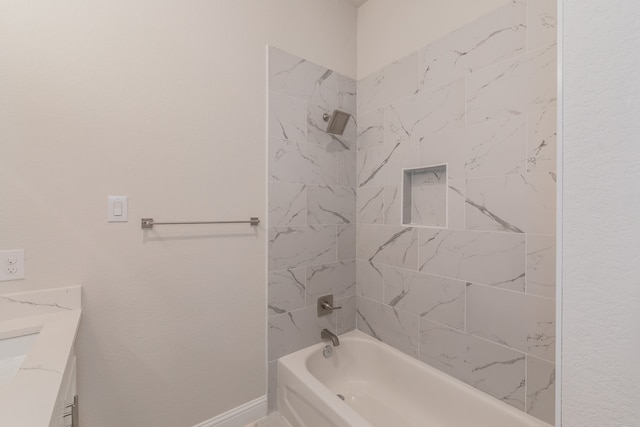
[[382, 387]]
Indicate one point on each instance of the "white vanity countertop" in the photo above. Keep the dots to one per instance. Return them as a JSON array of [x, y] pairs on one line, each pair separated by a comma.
[[29, 399]]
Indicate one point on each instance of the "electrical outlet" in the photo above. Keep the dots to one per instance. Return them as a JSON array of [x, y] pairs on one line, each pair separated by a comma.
[[12, 265]]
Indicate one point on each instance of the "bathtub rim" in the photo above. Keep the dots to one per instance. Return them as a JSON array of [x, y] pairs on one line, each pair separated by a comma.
[[295, 364]]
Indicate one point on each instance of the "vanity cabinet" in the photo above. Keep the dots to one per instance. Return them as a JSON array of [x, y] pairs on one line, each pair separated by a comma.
[[66, 403], [41, 392]]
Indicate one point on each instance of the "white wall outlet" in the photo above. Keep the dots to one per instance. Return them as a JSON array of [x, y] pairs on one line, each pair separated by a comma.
[[12, 265], [118, 208]]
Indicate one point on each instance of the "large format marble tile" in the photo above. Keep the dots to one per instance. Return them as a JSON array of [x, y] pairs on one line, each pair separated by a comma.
[[296, 77], [370, 280], [431, 297], [317, 130], [418, 117], [542, 23], [447, 148], [347, 97], [489, 367], [286, 290], [499, 35], [542, 140], [291, 247], [346, 316], [512, 87], [491, 149], [287, 118], [383, 165], [370, 205], [337, 279], [517, 320], [394, 327], [346, 241], [298, 162], [520, 203], [495, 259], [387, 244], [347, 163], [287, 204], [393, 204], [541, 389], [496, 148], [296, 330], [395, 81], [541, 265], [455, 202], [371, 129], [331, 205]]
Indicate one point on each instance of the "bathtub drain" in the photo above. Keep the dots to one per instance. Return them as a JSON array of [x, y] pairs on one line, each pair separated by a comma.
[[327, 351], [340, 396]]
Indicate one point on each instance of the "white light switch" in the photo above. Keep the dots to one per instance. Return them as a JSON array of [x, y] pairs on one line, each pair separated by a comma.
[[117, 208]]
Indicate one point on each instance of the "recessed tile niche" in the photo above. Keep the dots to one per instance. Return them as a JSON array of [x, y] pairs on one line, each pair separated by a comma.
[[424, 193]]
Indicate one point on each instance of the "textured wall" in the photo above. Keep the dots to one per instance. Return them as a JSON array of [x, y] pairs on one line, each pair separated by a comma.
[[475, 298], [163, 101], [601, 201], [312, 205]]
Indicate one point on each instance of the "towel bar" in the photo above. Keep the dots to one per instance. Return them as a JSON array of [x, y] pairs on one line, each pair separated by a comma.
[[148, 223]]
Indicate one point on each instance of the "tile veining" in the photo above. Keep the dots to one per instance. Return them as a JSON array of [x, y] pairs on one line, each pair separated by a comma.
[[482, 287], [312, 205], [497, 36], [471, 293], [39, 302]]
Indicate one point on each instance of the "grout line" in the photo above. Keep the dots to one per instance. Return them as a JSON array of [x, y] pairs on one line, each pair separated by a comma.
[[526, 381], [527, 23], [466, 326], [526, 264], [417, 227], [512, 291], [384, 283]]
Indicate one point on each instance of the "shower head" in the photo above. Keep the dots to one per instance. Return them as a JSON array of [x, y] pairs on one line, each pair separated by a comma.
[[337, 121]]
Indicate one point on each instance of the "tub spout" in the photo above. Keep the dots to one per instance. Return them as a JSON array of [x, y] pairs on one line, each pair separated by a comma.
[[326, 334]]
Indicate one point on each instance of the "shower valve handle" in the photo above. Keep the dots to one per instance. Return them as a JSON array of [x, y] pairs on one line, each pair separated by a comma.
[[325, 305], [329, 307]]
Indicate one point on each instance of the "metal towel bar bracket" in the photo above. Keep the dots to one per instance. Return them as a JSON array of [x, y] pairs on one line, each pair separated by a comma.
[[148, 223]]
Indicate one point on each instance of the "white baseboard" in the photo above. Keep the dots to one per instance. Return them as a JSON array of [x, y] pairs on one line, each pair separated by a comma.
[[240, 416]]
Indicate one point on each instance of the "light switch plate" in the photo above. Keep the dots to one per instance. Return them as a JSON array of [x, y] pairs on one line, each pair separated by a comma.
[[12, 265], [117, 208]]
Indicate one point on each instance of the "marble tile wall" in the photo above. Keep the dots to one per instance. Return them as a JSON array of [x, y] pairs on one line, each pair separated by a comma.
[[475, 299], [312, 206]]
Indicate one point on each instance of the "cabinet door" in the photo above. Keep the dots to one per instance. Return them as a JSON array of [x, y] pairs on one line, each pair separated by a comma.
[[66, 394], [70, 394]]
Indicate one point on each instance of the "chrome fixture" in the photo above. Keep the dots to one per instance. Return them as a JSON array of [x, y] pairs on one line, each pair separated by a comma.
[[326, 334], [72, 411], [148, 223], [325, 305], [337, 121]]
